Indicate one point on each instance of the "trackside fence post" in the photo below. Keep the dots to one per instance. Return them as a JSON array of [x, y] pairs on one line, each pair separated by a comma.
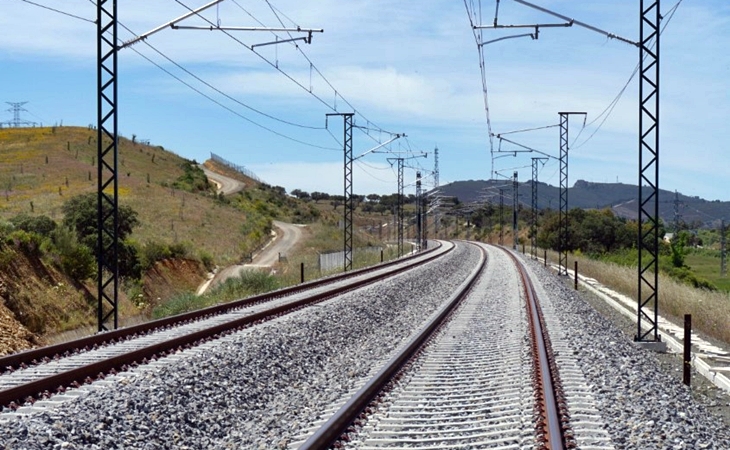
[[687, 366]]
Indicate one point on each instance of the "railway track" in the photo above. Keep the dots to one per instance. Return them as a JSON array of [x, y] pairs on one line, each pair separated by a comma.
[[44, 372], [486, 378]]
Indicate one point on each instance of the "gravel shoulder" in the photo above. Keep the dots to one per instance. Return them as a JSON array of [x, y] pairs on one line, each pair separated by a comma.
[[256, 389], [639, 392]]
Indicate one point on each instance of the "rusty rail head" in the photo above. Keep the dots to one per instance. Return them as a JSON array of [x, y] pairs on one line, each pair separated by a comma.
[[337, 425], [553, 422]]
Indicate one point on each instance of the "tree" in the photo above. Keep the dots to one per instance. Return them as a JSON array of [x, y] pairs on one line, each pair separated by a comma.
[[80, 215], [317, 196], [374, 198], [298, 193]]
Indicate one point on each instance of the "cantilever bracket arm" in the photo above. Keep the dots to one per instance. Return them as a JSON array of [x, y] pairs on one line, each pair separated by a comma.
[[307, 39], [526, 148], [174, 25], [375, 149], [192, 12], [581, 24]]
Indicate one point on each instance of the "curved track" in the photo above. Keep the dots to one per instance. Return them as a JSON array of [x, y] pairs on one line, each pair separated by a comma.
[[40, 373], [486, 378]]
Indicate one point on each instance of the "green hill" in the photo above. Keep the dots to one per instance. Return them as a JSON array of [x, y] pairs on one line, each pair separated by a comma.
[[621, 198]]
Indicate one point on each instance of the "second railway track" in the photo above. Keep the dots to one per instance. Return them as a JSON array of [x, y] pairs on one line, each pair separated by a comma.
[[487, 379], [275, 384], [41, 373]]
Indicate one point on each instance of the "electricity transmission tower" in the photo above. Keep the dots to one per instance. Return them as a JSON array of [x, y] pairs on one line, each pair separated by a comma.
[[349, 201], [107, 151], [419, 212], [437, 215], [723, 249], [677, 215], [501, 216], [16, 108], [515, 206], [648, 198], [563, 241], [648, 234], [107, 142], [533, 231], [401, 165]]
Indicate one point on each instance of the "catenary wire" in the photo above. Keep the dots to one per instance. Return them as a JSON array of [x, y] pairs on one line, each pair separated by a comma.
[[58, 11]]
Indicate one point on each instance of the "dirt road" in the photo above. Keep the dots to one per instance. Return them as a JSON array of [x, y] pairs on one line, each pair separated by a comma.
[[286, 237], [226, 186]]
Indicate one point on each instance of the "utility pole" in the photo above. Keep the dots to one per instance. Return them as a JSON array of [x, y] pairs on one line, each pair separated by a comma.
[[401, 164], [515, 206], [533, 231], [400, 207], [424, 243], [107, 142], [723, 249], [107, 152], [563, 241], [648, 233], [349, 202], [437, 216], [501, 216], [419, 212], [648, 204], [677, 215]]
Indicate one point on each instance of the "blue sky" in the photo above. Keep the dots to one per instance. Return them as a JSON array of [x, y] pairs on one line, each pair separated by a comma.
[[407, 67]]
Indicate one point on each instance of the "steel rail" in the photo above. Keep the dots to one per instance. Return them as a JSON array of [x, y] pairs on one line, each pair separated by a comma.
[[336, 426], [58, 382], [553, 422], [38, 355]]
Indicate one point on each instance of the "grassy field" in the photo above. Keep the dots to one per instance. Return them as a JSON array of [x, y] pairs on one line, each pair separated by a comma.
[[41, 168], [710, 312], [708, 266]]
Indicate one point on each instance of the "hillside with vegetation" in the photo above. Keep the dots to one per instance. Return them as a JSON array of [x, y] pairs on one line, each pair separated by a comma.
[[173, 225], [619, 197], [176, 229]]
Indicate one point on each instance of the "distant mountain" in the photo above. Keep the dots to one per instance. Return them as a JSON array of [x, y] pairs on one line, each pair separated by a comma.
[[621, 198]]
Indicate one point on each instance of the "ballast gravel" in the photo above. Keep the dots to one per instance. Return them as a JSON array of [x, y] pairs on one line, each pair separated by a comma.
[[644, 406], [257, 388]]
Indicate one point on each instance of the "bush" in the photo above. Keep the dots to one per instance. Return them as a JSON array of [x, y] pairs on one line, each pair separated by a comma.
[[250, 282], [6, 228], [151, 252], [28, 242], [207, 260], [154, 251], [74, 258], [180, 249], [42, 225]]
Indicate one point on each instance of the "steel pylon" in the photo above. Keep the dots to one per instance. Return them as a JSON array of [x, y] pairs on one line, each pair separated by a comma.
[[648, 230], [107, 151]]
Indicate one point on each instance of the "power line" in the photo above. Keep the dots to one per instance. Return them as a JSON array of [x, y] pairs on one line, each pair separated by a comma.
[[277, 68], [236, 113], [58, 11], [224, 106], [611, 106], [314, 68]]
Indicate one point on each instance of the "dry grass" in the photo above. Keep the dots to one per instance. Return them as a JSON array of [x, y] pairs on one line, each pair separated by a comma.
[[709, 309], [41, 168]]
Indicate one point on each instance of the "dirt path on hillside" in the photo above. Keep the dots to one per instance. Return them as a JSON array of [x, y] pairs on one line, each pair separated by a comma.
[[286, 236], [226, 185]]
